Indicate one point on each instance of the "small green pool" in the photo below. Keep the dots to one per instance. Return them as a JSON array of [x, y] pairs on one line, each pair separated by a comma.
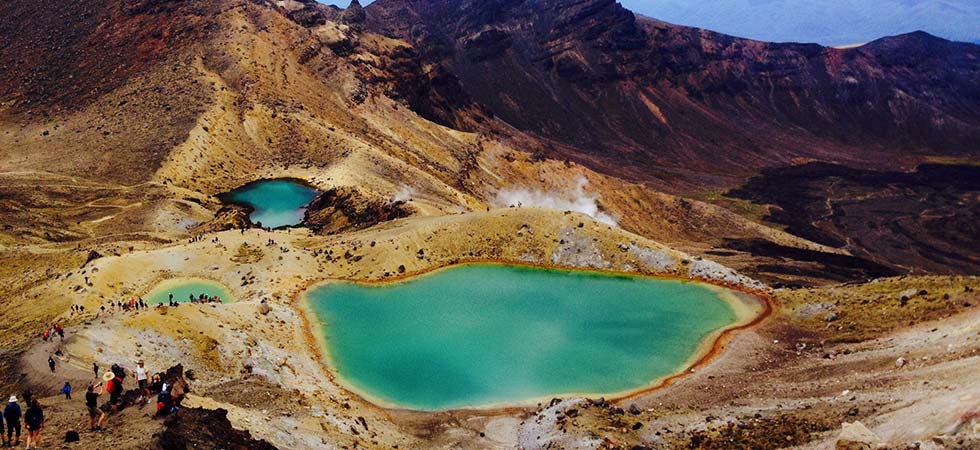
[[489, 335], [183, 288], [275, 203]]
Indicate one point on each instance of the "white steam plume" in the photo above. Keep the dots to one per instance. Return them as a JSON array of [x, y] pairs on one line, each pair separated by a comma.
[[403, 195], [579, 200]]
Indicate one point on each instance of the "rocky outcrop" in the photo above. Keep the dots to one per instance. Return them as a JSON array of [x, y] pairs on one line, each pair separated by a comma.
[[229, 217], [343, 209], [709, 270], [309, 13], [354, 16], [856, 436], [92, 256], [654, 260], [578, 249], [206, 429]]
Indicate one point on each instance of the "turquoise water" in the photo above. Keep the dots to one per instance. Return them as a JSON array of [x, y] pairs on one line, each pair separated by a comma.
[[275, 203], [182, 288], [480, 335]]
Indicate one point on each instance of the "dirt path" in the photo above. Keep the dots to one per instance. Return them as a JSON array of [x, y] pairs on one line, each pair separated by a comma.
[[44, 382]]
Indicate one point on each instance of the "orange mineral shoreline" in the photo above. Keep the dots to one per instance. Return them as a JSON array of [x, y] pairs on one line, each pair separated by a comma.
[[315, 340]]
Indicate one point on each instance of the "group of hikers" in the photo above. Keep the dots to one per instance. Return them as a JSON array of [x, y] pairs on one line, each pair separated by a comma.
[[137, 303], [55, 330], [203, 298], [33, 420], [200, 238], [111, 382], [111, 307]]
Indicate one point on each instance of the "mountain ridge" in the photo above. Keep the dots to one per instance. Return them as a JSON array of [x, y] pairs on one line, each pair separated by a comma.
[[649, 86]]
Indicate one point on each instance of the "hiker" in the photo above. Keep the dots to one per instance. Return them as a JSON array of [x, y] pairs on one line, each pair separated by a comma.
[[119, 371], [114, 387], [28, 395], [141, 380], [165, 403], [96, 417], [95, 369], [47, 333], [157, 384], [12, 415], [61, 331], [34, 421], [51, 363], [66, 389]]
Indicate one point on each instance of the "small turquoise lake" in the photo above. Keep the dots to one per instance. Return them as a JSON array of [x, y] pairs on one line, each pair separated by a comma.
[[490, 335], [275, 203], [183, 288]]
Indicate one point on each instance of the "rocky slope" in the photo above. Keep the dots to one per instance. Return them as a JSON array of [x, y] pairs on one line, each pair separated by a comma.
[[656, 101], [240, 90]]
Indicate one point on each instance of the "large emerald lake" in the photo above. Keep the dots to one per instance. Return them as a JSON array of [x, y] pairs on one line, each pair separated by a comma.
[[275, 203], [490, 335]]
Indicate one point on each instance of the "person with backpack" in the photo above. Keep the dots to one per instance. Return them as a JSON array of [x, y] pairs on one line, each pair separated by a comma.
[[12, 415], [51, 363], [114, 388], [164, 401], [34, 421], [66, 389], [96, 417], [119, 371]]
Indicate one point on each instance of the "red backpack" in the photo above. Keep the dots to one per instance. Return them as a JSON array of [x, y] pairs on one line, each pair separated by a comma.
[[111, 386]]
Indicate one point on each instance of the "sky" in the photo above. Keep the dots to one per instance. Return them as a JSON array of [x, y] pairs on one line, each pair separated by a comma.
[[828, 22]]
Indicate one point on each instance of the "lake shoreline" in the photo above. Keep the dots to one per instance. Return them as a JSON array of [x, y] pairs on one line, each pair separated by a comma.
[[751, 307], [158, 288], [228, 198]]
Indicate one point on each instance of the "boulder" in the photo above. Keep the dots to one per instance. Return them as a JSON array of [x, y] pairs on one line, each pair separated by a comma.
[[92, 256], [909, 293], [856, 436]]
